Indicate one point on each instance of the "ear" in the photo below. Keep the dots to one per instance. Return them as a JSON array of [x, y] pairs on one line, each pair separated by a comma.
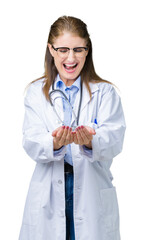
[[50, 49]]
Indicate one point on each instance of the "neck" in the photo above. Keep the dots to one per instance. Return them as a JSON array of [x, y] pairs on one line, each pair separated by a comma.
[[68, 82]]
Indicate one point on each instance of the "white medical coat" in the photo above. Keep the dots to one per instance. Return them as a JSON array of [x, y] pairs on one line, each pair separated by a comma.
[[96, 214]]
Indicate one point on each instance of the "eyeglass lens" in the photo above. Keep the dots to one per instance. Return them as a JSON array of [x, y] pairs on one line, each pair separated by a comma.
[[79, 52]]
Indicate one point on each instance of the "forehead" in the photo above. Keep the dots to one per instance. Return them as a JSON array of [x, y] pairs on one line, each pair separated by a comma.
[[68, 39]]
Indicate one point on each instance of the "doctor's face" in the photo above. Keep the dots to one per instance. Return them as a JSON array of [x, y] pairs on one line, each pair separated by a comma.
[[69, 52]]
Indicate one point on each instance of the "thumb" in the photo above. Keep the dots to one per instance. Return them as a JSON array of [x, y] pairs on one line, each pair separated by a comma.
[[91, 130], [54, 133]]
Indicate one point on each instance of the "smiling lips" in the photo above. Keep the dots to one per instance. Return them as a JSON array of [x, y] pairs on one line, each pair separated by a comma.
[[70, 68]]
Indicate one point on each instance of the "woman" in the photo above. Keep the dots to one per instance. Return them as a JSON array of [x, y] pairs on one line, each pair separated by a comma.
[[71, 195]]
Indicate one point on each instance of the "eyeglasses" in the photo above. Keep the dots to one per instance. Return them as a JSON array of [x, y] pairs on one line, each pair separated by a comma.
[[63, 52]]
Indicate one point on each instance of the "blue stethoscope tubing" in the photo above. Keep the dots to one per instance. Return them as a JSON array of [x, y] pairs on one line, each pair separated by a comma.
[[62, 93]]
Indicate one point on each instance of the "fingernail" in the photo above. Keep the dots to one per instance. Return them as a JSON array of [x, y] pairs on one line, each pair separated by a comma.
[[63, 127], [82, 126], [67, 127]]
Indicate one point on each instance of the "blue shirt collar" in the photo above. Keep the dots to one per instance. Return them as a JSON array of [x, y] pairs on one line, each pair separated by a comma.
[[60, 84]]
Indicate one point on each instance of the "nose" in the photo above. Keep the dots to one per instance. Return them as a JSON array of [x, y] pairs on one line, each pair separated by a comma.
[[71, 55]]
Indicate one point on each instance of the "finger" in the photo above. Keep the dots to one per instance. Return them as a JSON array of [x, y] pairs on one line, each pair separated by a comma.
[[75, 140], [59, 133], [86, 138], [89, 132], [71, 139], [79, 136], [68, 136], [56, 139], [63, 139], [72, 136]]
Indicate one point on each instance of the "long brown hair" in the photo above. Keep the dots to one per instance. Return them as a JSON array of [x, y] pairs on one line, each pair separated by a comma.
[[79, 28]]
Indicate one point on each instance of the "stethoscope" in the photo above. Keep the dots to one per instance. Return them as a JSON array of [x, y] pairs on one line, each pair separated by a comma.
[[63, 94]]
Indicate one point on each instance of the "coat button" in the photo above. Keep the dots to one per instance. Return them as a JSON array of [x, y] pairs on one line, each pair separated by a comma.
[[59, 181]]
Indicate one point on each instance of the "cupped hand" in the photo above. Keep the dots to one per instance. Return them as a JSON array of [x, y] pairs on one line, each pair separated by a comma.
[[62, 136], [83, 135]]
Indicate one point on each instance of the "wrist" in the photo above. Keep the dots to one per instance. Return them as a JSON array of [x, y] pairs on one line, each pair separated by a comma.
[[57, 149], [89, 145], [56, 146]]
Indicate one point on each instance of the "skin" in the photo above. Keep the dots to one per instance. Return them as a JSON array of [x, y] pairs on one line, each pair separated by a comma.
[[68, 40], [63, 135]]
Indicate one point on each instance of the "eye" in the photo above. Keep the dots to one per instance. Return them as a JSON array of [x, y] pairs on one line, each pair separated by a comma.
[[78, 50], [63, 50]]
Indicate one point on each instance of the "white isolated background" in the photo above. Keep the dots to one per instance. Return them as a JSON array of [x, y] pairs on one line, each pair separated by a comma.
[[117, 32]]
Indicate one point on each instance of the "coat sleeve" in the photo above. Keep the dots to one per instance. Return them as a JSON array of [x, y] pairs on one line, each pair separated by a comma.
[[37, 139], [110, 127]]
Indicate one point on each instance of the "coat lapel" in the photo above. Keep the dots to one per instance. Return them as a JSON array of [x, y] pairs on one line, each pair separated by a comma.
[[85, 94]]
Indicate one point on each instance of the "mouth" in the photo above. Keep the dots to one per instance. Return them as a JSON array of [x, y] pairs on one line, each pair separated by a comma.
[[70, 67]]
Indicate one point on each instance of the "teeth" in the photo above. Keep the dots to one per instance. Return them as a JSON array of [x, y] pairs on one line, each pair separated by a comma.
[[70, 65]]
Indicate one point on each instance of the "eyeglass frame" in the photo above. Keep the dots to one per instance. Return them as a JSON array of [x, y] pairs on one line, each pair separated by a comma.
[[67, 48]]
